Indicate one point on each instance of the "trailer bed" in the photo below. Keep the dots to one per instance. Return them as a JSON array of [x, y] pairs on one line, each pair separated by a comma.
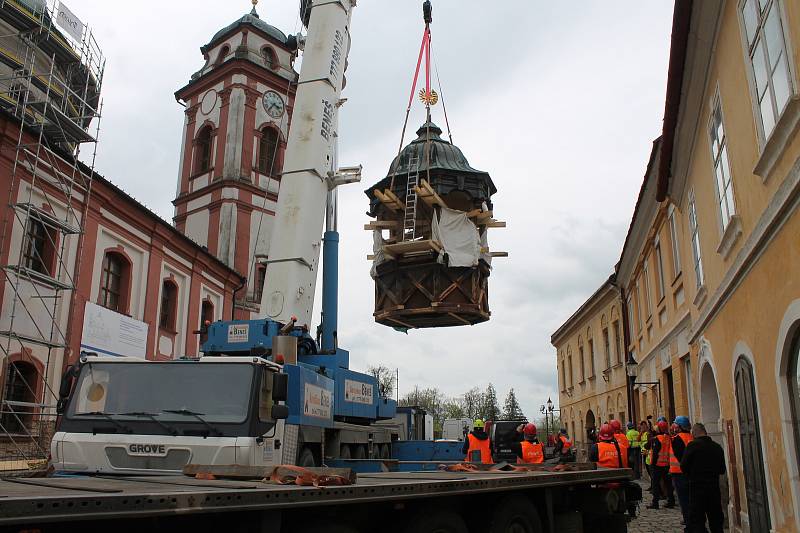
[[58, 499]]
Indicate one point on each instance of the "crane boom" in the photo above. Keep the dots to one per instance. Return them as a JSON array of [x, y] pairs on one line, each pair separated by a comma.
[[308, 169]]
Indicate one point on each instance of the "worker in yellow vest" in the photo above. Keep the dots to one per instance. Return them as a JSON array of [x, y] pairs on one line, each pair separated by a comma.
[[477, 447], [644, 438], [530, 450], [606, 452], [634, 453], [678, 445]]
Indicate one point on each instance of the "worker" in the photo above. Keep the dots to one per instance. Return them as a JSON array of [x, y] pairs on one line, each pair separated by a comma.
[[644, 437], [621, 439], [563, 447], [529, 450], [477, 447], [659, 447], [634, 453], [676, 450], [606, 452], [702, 464]]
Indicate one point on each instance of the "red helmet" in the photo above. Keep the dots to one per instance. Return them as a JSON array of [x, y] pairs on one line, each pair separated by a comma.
[[615, 425], [606, 433], [662, 426], [529, 429]]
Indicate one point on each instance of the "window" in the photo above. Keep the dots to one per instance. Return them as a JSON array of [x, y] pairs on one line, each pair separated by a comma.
[[591, 357], [631, 320], [223, 53], [639, 320], [20, 386], [563, 372], [607, 347], [203, 150], [722, 169], [39, 247], [114, 282], [647, 295], [673, 237], [695, 232], [258, 290], [582, 356], [169, 307], [794, 388], [659, 271], [267, 151], [767, 50], [206, 316], [270, 60], [617, 342], [569, 361]]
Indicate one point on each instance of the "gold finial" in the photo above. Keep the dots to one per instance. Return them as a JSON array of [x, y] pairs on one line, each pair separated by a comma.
[[253, 11], [254, 2]]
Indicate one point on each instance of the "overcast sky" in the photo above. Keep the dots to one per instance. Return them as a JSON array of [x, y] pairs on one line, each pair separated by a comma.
[[558, 101]]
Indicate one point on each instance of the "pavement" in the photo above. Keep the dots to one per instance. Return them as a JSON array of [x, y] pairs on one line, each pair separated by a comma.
[[660, 520]]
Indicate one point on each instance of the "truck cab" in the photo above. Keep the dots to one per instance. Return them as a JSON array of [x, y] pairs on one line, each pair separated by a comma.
[[129, 416]]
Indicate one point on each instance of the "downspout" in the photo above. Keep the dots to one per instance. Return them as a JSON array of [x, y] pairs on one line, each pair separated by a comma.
[[626, 339], [237, 289]]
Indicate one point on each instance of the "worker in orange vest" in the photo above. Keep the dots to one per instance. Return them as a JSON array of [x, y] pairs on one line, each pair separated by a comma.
[[606, 452], [530, 450], [660, 447], [477, 447], [563, 447], [678, 445], [621, 439]]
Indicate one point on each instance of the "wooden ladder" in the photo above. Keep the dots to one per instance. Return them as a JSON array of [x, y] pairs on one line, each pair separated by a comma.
[[410, 218]]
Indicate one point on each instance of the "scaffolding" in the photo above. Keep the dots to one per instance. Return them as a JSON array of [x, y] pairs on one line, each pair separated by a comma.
[[51, 84]]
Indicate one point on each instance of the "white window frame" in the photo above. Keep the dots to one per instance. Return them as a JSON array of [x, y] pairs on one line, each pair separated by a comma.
[[694, 228], [647, 293], [631, 317], [659, 269], [639, 305], [760, 95], [673, 235], [720, 162]]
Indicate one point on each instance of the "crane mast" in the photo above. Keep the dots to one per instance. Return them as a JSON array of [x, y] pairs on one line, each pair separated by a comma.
[[309, 172]]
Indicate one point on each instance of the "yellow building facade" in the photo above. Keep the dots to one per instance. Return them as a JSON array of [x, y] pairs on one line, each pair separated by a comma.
[[591, 366]]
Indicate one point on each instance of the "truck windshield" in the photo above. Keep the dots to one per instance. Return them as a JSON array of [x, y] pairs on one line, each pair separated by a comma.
[[216, 392]]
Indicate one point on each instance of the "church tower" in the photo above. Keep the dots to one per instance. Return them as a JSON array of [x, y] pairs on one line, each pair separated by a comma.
[[238, 110]]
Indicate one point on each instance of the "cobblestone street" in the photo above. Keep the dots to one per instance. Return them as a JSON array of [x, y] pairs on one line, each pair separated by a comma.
[[655, 520]]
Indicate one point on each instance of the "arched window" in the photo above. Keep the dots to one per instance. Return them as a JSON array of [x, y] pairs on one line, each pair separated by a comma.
[[590, 344], [582, 356], [39, 248], [606, 342], [115, 282], [223, 53], [270, 59], [20, 388], [206, 316], [169, 305], [268, 151], [569, 364], [203, 150]]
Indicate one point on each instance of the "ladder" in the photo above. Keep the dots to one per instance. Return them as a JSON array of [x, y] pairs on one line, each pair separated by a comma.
[[410, 218]]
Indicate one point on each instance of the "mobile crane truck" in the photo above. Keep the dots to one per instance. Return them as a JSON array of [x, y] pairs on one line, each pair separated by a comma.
[[267, 394]]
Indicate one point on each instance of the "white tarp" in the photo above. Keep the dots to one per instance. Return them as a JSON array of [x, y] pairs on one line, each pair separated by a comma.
[[486, 255], [377, 250], [69, 22], [458, 236]]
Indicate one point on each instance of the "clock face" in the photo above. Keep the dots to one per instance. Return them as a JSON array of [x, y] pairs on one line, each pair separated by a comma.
[[273, 104]]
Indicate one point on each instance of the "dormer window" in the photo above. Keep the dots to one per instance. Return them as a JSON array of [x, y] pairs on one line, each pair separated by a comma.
[[223, 53], [270, 58]]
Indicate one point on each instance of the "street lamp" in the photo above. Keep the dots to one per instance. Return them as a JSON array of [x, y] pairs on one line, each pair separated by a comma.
[[632, 370], [548, 409]]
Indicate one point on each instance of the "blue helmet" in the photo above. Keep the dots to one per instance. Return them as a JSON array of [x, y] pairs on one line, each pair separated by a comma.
[[661, 418], [683, 422], [631, 425]]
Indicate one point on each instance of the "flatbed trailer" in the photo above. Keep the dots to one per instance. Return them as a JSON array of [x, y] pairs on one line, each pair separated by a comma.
[[423, 501]]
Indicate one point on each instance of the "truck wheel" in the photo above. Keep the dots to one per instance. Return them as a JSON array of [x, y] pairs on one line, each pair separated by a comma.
[[428, 520], [516, 514], [361, 452], [306, 458], [344, 452]]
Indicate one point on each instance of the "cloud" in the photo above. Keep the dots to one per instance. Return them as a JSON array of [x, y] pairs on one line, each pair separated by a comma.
[[559, 102]]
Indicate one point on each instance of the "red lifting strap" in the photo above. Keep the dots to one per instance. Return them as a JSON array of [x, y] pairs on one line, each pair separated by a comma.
[[425, 48]]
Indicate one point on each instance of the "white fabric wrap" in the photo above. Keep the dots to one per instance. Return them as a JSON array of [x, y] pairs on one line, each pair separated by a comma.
[[377, 250], [458, 236], [485, 253]]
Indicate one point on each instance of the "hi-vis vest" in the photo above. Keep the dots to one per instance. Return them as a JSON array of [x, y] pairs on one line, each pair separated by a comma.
[[622, 440], [567, 444], [607, 456], [479, 450], [532, 452], [674, 464], [633, 438], [666, 450]]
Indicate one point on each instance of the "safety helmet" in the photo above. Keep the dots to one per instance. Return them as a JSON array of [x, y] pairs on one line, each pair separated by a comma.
[[563, 431], [529, 429], [674, 428], [683, 422], [478, 423], [662, 426], [606, 433], [662, 418], [615, 425], [631, 425]]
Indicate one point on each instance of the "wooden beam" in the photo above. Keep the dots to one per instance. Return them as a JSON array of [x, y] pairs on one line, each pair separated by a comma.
[[391, 204], [428, 195], [498, 254], [406, 247], [382, 224], [491, 223]]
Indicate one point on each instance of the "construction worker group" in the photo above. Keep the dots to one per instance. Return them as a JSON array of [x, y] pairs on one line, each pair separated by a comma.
[[478, 449]]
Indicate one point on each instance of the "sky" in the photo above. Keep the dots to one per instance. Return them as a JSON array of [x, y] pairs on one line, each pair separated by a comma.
[[558, 101]]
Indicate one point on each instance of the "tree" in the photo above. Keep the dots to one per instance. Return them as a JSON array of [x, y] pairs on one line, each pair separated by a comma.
[[511, 408], [386, 379], [472, 403], [430, 399], [490, 411], [453, 408]]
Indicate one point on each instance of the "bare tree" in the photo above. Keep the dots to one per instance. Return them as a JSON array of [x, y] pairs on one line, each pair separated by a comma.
[[386, 379]]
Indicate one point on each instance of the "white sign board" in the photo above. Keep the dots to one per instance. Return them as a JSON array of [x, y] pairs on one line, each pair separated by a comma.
[[358, 392], [109, 333], [69, 22], [238, 332], [317, 402]]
